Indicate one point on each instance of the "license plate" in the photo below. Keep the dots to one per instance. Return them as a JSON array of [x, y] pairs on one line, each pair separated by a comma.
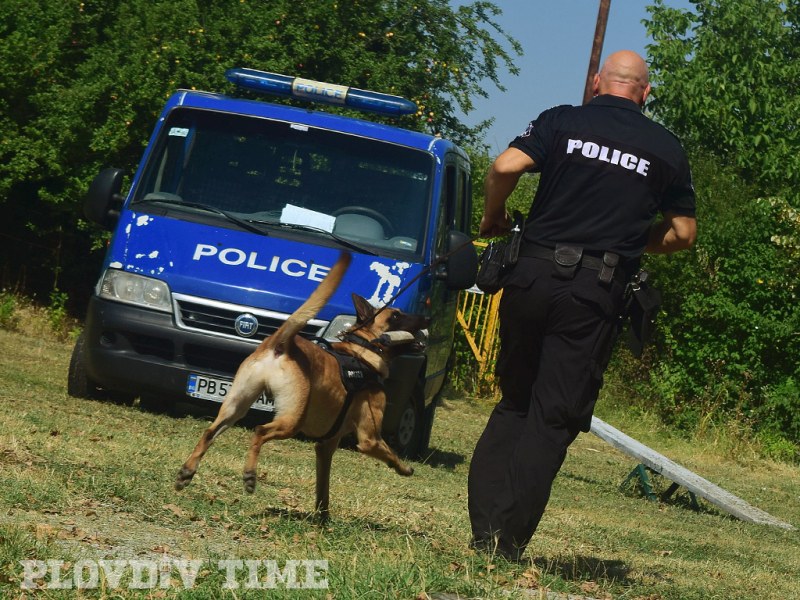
[[215, 389]]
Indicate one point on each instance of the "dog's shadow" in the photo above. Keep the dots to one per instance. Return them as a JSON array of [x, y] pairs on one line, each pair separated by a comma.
[[582, 568], [312, 519], [433, 457]]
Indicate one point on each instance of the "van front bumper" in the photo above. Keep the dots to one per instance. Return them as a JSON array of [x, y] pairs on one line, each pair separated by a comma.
[[139, 351]]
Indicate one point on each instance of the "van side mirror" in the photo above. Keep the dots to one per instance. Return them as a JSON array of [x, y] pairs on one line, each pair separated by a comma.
[[103, 200], [461, 267]]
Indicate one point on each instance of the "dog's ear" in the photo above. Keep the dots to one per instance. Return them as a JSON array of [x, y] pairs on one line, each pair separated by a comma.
[[364, 310]]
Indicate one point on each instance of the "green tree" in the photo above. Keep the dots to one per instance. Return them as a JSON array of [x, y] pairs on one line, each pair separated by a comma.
[[81, 84], [731, 314], [725, 79]]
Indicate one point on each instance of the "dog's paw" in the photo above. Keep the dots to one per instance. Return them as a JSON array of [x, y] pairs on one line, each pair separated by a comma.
[[183, 479], [249, 479], [322, 517], [405, 470]]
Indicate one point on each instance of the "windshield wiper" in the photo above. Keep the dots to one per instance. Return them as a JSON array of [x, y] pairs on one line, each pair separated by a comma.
[[243, 223], [339, 239]]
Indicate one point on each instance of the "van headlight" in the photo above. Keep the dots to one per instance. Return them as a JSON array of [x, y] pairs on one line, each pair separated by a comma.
[[130, 288], [338, 325]]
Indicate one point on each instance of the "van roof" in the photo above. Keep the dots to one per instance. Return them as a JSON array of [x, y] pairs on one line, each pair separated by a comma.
[[313, 118]]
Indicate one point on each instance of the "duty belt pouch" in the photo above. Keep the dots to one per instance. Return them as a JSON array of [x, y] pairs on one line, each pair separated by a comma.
[[610, 262], [643, 306], [566, 259], [499, 257]]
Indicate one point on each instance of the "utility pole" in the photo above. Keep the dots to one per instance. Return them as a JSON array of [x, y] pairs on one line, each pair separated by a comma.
[[597, 48]]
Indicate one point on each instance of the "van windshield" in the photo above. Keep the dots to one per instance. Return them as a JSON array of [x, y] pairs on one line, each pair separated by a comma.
[[273, 173]]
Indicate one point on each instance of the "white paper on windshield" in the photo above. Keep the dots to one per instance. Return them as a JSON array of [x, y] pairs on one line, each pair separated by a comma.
[[296, 215]]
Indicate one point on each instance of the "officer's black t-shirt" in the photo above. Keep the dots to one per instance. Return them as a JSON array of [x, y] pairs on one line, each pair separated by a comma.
[[607, 171]]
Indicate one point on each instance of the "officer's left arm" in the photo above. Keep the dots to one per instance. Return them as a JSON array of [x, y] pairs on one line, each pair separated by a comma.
[[673, 233]]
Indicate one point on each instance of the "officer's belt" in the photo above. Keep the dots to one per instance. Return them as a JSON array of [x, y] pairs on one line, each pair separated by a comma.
[[568, 257]]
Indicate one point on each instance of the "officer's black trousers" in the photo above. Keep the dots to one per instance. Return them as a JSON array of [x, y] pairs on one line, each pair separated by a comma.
[[556, 337]]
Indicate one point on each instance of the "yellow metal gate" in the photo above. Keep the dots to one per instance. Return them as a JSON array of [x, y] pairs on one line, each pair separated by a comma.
[[477, 315]]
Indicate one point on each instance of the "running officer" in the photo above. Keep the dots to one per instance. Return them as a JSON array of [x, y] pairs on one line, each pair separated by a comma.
[[607, 173]]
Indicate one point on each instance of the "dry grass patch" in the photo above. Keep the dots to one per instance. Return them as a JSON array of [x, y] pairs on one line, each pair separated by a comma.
[[89, 480]]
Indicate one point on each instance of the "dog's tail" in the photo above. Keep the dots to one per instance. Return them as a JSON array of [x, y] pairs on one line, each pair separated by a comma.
[[309, 309]]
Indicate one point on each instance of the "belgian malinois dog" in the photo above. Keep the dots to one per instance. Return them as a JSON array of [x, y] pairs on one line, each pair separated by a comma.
[[305, 381]]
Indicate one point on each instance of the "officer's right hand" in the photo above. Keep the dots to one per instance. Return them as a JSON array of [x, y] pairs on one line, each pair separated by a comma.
[[494, 226]]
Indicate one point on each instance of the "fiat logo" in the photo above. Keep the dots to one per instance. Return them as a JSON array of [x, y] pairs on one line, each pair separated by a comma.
[[246, 325]]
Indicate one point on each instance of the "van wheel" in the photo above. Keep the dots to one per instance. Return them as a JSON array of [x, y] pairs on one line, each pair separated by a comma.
[[405, 434], [78, 383]]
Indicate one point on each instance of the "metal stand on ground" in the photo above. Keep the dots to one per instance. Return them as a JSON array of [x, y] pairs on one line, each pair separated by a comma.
[[640, 471], [652, 461]]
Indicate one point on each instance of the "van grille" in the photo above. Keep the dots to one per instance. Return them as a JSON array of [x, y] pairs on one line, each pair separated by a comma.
[[218, 318]]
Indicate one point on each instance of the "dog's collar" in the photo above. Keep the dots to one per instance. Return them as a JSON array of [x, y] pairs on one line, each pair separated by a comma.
[[359, 341]]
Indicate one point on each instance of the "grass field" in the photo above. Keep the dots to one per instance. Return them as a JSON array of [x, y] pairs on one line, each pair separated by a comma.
[[83, 480]]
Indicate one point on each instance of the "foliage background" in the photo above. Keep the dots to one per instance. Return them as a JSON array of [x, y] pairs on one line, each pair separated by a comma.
[[725, 80], [726, 74], [81, 84]]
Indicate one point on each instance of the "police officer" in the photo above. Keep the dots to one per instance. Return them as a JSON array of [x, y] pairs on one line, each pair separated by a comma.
[[607, 172]]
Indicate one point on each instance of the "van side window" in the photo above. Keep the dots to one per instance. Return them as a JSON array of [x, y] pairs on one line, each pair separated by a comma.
[[457, 199], [464, 202], [451, 196]]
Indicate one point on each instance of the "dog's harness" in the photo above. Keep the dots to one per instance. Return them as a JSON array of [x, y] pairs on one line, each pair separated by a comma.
[[355, 377]]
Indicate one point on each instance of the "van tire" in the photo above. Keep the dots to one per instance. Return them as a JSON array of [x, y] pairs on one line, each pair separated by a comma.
[[79, 385], [405, 434]]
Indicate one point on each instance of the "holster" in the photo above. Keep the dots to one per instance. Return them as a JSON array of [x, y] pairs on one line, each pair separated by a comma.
[[499, 258], [642, 306], [491, 267]]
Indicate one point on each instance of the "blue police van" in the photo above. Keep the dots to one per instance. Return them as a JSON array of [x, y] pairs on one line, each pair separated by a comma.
[[237, 211]]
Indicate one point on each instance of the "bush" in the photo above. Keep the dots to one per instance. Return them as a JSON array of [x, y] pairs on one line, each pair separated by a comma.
[[780, 412], [727, 344], [8, 311], [24, 315]]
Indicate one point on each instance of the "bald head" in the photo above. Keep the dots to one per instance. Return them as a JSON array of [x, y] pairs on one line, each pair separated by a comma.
[[624, 74]]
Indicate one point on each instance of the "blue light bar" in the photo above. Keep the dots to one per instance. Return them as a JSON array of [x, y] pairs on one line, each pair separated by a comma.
[[318, 91]]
